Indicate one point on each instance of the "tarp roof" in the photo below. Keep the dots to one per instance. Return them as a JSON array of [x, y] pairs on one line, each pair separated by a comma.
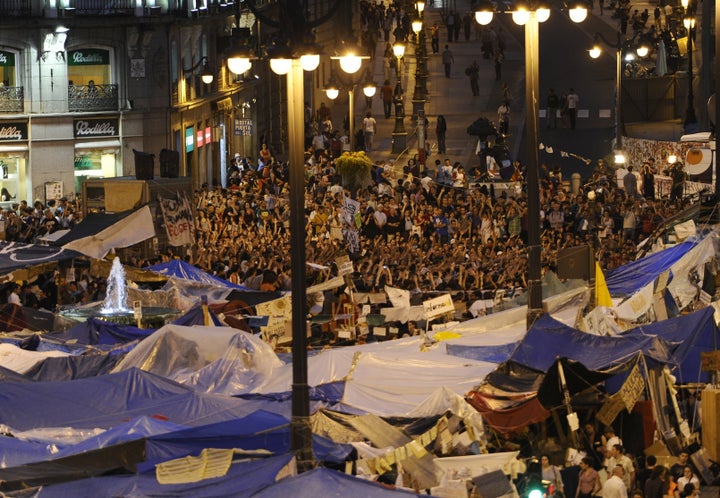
[[95, 331], [243, 479], [321, 482], [180, 269], [631, 277], [549, 339], [16, 255], [110, 400]]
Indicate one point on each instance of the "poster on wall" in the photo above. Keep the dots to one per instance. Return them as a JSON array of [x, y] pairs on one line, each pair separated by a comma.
[[53, 190]]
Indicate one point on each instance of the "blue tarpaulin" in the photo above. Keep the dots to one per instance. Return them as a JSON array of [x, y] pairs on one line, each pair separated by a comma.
[[491, 354], [678, 343], [243, 479], [110, 400], [180, 269], [326, 482], [628, 279], [94, 331]]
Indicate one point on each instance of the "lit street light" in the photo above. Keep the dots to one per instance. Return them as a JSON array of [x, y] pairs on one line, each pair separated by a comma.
[[332, 90], [399, 140], [690, 121], [620, 46], [292, 59]]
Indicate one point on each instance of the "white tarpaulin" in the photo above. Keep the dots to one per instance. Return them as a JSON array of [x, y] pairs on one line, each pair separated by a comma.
[[20, 360], [134, 228]]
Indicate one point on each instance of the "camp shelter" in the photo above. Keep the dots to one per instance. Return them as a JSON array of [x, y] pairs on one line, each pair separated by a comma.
[[179, 269], [509, 397], [243, 478]]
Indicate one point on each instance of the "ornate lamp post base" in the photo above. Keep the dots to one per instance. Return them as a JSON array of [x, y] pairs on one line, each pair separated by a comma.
[[399, 142]]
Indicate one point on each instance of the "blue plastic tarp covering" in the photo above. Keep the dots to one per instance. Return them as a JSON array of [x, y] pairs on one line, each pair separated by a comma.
[[243, 479], [332, 392], [196, 316], [258, 431], [491, 354], [326, 482], [110, 400], [73, 367], [15, 452], [180, 269], [689, 335], [549, 339], [628, 279], [94, 331]]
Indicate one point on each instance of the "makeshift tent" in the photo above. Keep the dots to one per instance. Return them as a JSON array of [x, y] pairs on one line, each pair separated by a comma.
[[95, 331], [97, 234], [629, 278], [320, 482], [182, 270], [242, 479], [109, 400]]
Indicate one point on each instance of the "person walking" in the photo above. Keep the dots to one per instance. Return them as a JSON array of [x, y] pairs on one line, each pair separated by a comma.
[[369, 125], [553, 103], [473, 72], [498, 59], [504, 117], [440, 130], [387, 93], [450, 23], [435, 38], [573, 99], [447, 60]]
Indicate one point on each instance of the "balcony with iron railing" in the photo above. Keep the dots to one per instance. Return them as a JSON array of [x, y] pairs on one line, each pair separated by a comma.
[[12, 99], [86, 98], [15, 8]]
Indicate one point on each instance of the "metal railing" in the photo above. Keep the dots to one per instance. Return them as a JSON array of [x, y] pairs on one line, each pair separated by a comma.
[[12, 99], [102, 7], [15, 8], [92, 98]]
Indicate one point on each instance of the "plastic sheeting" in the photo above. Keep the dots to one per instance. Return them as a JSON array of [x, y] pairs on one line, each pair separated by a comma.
[[396, 387], [19, 360], [110, 400], [549, 339], [326, 482], [627, 279], [212, 359], [243, 479], [94, 331], [182, 270]]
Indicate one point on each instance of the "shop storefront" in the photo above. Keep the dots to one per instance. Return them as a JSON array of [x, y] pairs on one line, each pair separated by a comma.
[[97, 149], [13, 161]]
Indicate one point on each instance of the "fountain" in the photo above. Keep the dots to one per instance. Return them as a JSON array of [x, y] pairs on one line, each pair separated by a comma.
[[115, 309]]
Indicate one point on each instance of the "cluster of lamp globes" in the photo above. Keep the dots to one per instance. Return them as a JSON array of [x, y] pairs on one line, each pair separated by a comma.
[[520, 16]]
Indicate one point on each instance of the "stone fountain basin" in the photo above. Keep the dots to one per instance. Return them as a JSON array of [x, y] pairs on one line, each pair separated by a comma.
[[150, 315]]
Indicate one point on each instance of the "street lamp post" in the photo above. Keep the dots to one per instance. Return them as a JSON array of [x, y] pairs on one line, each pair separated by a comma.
[[399, 135], [531, 19], [292, 59], [418, 95], [332, 91], [690, 121], [620, 46]]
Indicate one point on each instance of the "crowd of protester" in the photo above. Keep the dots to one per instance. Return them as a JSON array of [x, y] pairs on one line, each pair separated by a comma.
[[423, 232]]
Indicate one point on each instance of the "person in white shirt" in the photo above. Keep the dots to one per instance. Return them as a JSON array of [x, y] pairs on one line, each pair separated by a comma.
[[614, 487], [687, 478], [369, 130], [14, 295]]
